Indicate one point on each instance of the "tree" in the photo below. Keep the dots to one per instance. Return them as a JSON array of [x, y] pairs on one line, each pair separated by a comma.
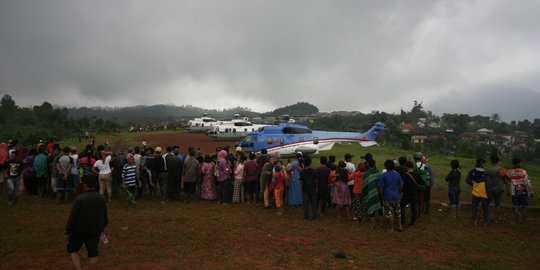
[[7, 103], [495, 117]]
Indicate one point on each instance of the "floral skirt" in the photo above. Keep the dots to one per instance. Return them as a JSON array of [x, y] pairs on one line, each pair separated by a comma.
[[359, 208]]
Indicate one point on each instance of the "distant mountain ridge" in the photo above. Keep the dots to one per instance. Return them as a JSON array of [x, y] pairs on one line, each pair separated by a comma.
[[169, 113]]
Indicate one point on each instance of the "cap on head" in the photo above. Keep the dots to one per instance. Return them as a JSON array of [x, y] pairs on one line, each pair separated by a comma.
[[348, 156]]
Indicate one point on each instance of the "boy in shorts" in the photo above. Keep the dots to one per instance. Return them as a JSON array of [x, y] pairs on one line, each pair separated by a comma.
[[521, 190]]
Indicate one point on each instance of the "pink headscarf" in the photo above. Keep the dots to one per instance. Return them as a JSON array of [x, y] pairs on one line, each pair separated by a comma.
[[222, 154]]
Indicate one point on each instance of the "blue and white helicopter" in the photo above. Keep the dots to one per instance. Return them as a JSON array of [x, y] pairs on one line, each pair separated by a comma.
[[289, 138]]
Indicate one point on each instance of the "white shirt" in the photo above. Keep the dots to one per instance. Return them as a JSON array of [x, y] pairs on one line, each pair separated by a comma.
[[103, 167], [350, 167]]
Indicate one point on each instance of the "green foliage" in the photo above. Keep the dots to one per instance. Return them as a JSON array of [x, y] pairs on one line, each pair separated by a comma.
[[298, 109], [30, 125]]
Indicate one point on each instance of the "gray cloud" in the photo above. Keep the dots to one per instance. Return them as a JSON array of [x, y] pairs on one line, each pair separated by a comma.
[[345, 55]]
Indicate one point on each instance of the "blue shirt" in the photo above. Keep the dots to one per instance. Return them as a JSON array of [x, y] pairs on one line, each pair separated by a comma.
[[390, 182]]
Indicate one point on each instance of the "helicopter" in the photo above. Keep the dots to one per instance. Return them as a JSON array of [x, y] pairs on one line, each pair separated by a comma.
[[289, 138]]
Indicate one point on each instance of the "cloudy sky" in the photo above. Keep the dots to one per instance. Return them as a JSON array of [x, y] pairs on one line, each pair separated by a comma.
[[476, 57]]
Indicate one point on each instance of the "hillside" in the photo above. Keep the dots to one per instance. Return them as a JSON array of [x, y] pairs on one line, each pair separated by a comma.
[[170, 113]]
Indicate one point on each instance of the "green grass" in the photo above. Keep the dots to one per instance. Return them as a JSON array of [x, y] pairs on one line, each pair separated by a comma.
[[205, 235], [440, 163]]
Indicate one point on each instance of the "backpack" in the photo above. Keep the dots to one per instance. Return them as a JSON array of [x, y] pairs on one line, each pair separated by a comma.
[[423, 172]]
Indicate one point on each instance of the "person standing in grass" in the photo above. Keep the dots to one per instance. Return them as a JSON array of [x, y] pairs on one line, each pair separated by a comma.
[[279, 177], [308, 181], [87, 220], [390, 185], [479, 181], [130, 180], [29, 179], [266, 179], [371, 192], [42, 170], [239, 192], [323, 185], [454, 188], [174, 175], [499, 184], [64, 185], [342, 195], [223, 178], [190, 174], [102, 169], [208, 186], [359, 206], [295, 190], [14, 170], [521, 189], [116, 164], [251, 177], [53, 167], [411, 183]]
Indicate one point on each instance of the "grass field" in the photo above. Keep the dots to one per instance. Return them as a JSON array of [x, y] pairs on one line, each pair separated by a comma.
[[205, 235]]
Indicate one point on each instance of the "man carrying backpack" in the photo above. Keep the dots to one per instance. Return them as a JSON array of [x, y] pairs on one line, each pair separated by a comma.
[[425, 172]]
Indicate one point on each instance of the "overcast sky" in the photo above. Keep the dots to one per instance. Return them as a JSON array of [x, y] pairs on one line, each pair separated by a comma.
[[476, 57]]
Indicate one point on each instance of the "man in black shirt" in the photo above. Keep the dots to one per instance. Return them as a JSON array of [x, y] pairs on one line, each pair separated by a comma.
[[14, 169], [87, 220], [308, 180]]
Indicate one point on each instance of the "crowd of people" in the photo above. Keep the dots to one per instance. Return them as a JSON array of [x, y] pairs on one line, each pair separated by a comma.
[[360, 192]]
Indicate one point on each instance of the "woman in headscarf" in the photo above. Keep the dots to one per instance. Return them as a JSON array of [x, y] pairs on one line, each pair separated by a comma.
[[208, 186], [342, 195], [295, 189], [222, 174]]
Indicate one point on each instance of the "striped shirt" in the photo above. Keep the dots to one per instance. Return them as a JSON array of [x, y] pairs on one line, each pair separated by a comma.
[[129, 174]]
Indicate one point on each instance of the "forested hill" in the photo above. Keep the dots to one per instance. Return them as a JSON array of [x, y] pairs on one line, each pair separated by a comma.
[[169, 113], [154, 113], [298, 109]]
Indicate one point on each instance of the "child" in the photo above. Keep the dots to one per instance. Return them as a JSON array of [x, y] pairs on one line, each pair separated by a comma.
[[453, 178], [521, 190], [479, 181]]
